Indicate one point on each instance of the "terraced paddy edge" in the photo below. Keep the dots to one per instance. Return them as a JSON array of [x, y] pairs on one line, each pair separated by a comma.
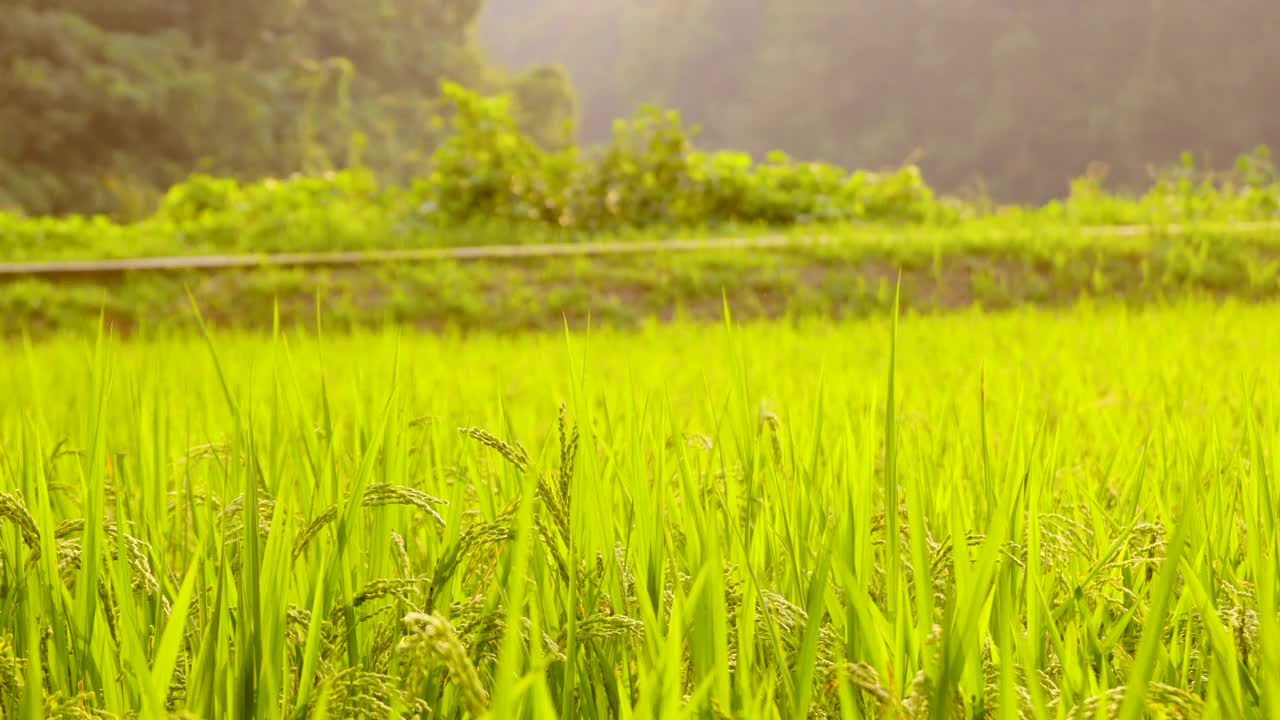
[[843, 277], [1080, 521]]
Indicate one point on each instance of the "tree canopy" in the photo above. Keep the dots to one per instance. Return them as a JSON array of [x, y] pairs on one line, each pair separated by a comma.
[[106, 104]]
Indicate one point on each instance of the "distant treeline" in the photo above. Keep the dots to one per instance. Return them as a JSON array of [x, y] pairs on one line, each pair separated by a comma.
[[1021, 95], [108, 104], [103, 105]]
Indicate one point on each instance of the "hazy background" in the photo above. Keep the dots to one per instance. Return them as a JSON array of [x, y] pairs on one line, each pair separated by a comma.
[[105, 104], [1023, 93]]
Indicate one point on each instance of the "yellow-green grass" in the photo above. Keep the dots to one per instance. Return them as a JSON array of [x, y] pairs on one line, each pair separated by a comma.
[[1084, 526]]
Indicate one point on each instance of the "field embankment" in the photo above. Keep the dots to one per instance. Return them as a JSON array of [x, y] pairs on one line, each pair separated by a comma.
[[842, 272]]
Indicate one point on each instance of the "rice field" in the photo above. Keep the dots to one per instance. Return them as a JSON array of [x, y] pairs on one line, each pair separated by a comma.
[[1023, 515]]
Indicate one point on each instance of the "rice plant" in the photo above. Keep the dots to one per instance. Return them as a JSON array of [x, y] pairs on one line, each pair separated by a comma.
[[1025, 515]]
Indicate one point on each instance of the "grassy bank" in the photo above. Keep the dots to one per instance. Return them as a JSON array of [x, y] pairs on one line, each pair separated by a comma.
[[841, 273]]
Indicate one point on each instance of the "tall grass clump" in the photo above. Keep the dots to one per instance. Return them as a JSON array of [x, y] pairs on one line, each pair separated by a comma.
[[1019, 516]]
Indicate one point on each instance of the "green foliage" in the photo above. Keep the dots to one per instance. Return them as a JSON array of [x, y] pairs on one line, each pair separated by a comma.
[[109, 104], [1182, 194], [649, 175], [206, 215], [487, 169], [302, 213], [81, 102], [489, 181]]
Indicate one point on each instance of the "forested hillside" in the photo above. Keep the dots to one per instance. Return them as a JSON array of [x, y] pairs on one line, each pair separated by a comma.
[[1022, 94], [107, 103]]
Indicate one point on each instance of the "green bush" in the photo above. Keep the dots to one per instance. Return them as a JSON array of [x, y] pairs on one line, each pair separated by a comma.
[[1183, 194], [487, 169], [648, 176]]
